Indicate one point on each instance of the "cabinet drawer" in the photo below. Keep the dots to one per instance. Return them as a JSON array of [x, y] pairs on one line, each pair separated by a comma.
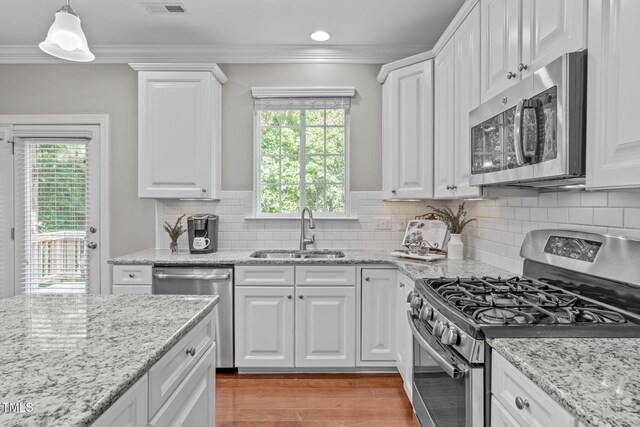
[[499, 416], [168, 372], [193, 404], [132, 289], [326, 275], [132, 275], [264, 275], [539, 410]]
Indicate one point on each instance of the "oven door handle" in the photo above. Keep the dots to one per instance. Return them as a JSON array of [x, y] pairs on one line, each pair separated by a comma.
[[453, 371]]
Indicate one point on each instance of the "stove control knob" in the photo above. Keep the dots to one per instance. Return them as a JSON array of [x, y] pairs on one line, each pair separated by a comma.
[[416, 303], [450, 337], [439, 328], [410, 296], [426, 313]]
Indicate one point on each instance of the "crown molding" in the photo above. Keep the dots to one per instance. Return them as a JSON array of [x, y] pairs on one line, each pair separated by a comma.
[[303, 92], [164, 66], [245, 54], [465, 9]]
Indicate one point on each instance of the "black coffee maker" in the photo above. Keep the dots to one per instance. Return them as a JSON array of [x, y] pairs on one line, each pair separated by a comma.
[[203, 233]]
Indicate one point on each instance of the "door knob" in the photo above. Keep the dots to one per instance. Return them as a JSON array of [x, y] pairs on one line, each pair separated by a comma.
[[511, 75], [93, 230], [92, 245]]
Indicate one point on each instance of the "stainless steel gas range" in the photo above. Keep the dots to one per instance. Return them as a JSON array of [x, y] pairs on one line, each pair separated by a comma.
[[574, 284]]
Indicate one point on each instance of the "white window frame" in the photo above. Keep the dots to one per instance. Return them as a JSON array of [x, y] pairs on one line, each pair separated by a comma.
[[300, 92]]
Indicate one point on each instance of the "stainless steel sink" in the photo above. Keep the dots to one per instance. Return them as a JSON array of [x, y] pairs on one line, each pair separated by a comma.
[[294, 254]]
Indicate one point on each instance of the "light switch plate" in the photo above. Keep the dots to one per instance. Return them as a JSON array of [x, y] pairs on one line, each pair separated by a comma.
[[382, 223]]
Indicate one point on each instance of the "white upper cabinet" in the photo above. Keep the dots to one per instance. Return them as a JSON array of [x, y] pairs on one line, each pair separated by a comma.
[[407, 147], [444, 141], [613, 134], [179, 130], [500, 41], [457, 92], [520, 36], [467, 84]]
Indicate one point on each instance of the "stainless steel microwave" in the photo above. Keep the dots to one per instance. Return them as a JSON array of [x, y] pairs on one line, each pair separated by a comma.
[[533, 134]]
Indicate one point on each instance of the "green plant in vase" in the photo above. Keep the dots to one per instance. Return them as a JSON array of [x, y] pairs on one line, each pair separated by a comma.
[[174, 233], [455, 222]]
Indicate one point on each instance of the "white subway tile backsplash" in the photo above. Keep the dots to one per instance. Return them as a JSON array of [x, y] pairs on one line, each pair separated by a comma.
[[546, 200], [538, 214], [581, 216], [611, 217], [569, 198], [632, 218], [593, 198], [558, 214], [522, 213]]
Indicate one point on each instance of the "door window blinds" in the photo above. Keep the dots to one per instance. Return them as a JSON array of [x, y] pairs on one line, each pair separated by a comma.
[[51, 215]]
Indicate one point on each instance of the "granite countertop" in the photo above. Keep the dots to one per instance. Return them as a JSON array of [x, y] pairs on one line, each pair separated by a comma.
[[71, 356], [413, 269], [595, 379]]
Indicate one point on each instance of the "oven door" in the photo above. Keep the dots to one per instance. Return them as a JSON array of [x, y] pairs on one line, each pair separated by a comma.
[[447, 391]]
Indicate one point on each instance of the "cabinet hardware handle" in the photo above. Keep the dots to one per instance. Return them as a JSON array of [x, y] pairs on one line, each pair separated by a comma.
[[368, 279], [191, 351], [448, 187], [401, 285], [131, 275], [289, 296], [300, 296], [92, 245], [454, 187], [393, 191], [204, 190], [511, 75], [522, 67], [521, 403]]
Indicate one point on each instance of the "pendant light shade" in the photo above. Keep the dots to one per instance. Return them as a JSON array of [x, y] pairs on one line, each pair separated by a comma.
[[65, 38]]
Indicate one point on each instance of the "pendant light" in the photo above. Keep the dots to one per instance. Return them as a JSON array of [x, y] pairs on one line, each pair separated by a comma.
[[65, 38]]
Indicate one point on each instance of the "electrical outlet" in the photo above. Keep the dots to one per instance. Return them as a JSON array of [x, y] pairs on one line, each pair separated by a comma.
[[401, 224], [382, 223]]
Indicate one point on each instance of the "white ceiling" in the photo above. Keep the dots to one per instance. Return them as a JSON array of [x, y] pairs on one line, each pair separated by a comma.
[[400, 26]]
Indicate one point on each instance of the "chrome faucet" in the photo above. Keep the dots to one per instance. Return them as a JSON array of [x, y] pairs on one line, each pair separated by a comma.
[[304, 241]]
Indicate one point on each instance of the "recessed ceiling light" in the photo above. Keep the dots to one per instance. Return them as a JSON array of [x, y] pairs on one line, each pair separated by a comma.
[[320, 36]]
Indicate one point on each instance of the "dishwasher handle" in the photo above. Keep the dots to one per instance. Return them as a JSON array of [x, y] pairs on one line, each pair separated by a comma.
[[162, 276]]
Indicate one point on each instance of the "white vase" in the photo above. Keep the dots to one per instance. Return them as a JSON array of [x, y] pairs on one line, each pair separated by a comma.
[[455, 248]]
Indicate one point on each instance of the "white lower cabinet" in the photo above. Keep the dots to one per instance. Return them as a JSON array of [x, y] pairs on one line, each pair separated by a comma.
[[403, 335], [179, 389], [521, 402], [132, 279], [193, 403], [377, 340], [264, 326], [325, 327]]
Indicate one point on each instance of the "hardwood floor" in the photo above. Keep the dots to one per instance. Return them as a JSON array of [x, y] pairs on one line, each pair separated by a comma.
[[314, 400]]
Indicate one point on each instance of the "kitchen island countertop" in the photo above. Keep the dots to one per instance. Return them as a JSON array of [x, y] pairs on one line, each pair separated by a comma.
[[595, 379], [71, 356]]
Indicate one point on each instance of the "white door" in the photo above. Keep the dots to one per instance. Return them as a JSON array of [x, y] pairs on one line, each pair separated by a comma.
[[264, 328], [444, 141], [500, 42], [551, 28], [325, 326], [378, 314], [175, 134], [57, 208], [6, 214], [409, 130], [613, 134], [467, 97]]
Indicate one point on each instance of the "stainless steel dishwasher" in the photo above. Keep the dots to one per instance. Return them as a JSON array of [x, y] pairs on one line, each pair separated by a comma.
[[204, 281]]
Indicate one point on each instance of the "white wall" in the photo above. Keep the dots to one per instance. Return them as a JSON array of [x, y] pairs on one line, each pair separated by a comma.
[[236, 232], [503, 222]]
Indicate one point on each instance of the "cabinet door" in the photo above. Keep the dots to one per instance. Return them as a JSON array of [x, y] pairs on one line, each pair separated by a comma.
[[378, 314], [444, 141], [467, 97], [175, 134], [193, 403], [549, 29], [613, 134], [325, 327], [130, 410], [408, 132], [500, 39], [404, 338], [264, 326]]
